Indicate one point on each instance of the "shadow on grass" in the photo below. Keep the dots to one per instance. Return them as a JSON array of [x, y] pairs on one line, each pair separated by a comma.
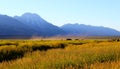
[[12, 54]]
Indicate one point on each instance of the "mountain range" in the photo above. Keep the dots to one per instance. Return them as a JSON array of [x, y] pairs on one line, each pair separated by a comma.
[[30, 24], [88, 30], [37, 23]]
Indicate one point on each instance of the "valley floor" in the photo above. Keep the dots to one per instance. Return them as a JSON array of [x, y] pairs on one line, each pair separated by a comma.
[[59, 54]]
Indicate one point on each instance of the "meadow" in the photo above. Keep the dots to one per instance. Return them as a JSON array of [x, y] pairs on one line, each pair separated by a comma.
[[60, 54]]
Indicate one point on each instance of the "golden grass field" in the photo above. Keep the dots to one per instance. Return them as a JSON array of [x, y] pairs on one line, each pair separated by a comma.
[[59, 54]]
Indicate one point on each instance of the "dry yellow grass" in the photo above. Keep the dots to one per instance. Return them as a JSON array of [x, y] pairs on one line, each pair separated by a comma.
[[80, 54]]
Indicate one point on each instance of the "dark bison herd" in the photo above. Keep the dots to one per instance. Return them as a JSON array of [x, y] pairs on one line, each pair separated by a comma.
[[110, 40], [71, 39], [115, 40]]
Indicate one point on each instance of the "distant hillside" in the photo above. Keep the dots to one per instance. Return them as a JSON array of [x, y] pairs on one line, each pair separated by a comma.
[[87, 30], [39, 24], [29, 25], [12, 27]]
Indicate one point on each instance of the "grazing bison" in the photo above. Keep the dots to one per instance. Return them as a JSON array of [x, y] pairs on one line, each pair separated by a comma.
[[68, 39], [76, 39], [114, 40], [118, 40]]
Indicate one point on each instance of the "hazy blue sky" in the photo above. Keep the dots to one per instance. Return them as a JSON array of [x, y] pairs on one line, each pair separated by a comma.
[[59, 12]]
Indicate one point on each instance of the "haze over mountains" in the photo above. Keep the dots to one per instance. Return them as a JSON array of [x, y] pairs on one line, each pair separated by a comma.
[[33, 25], [88, 30], [42, 27]]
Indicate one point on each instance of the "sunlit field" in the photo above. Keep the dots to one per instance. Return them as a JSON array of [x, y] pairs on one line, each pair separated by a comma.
[[60, 54]]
